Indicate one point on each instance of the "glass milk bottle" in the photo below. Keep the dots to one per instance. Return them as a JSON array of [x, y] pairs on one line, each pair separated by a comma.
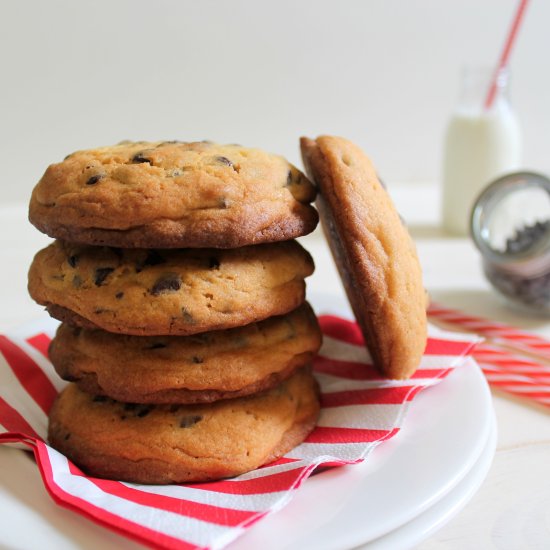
[[480, 145]]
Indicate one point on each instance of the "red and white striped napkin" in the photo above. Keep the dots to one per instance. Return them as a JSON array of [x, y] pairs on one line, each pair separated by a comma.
[[359, 411]]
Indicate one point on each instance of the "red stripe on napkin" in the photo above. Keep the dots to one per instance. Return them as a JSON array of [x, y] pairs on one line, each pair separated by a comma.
[[13, 421], [197, 510], [40, 342], [210, 515], [349, 332], [379, 396], [345, 369], [359, 371], [447, 347], [341, 329], [35, 382], [271, 484], [348, 435], [100, 515]]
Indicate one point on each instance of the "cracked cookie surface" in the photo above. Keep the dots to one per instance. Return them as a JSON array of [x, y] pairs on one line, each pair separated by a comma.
[[182, 443], [173, 195], [187, 369], [163, 292]]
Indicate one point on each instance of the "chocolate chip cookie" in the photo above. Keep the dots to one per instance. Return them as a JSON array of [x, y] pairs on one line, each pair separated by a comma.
[[161, 292], [374, 252], [182, 443], [173, 195], [187, 369]]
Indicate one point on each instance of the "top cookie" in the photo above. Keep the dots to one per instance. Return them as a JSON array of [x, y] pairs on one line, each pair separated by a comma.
[[374, 252], [173, 195]]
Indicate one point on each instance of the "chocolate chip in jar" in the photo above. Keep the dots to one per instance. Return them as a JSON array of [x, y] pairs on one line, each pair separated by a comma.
[[510, 225]]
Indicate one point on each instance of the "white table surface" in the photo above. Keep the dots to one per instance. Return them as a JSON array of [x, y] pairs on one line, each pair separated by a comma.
[[512, 508]]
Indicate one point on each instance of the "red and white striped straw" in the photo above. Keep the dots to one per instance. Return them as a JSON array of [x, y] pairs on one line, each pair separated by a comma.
[[505, 369], [523, 341], [517, 385], [506, 51], [503, 358]]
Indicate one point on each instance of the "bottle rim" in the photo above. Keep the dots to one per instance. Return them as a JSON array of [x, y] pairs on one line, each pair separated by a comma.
[[484, 74], [485, 202]]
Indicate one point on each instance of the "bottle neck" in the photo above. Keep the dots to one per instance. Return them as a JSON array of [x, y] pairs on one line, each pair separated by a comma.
[[475, 84]]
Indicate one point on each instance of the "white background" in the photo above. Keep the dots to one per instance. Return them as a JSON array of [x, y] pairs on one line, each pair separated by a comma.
[[383, 73]]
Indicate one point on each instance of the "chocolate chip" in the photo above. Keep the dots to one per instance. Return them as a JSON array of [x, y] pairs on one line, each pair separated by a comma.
[[529, 290], [138, 158], [197, 360], [154, 258], [526, 236], [187, 317], [166, 283], [67, 436], [99, 398], [101, 273], [119, 295], [73, 260], [144, 411], [157, 345], [213, 263], [191, 420], [289, 177], [77, 281], [94, 179], [204, 338], [223, 160]]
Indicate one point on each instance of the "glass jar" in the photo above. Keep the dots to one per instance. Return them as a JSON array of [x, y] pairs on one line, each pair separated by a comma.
[[480, 145], [510, 225]]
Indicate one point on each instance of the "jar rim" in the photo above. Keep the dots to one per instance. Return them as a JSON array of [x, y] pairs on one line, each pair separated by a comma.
[[495, 191]]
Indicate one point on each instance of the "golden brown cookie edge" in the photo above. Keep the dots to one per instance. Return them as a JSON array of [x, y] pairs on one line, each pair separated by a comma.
[[396, 355]]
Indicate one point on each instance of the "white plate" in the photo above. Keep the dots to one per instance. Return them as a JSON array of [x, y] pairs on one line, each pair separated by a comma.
[[428, 522], [444, 436]]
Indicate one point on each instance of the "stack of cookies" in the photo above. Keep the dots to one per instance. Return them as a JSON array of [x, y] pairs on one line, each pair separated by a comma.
[[181, 291]]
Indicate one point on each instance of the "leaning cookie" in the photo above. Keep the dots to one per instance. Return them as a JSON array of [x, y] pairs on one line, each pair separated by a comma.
[[187, 291], [173, 195], [187, 369], [374, 252], [182, 443]]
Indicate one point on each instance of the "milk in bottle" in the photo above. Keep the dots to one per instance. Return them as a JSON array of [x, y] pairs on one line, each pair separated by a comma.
[[480, 145]]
